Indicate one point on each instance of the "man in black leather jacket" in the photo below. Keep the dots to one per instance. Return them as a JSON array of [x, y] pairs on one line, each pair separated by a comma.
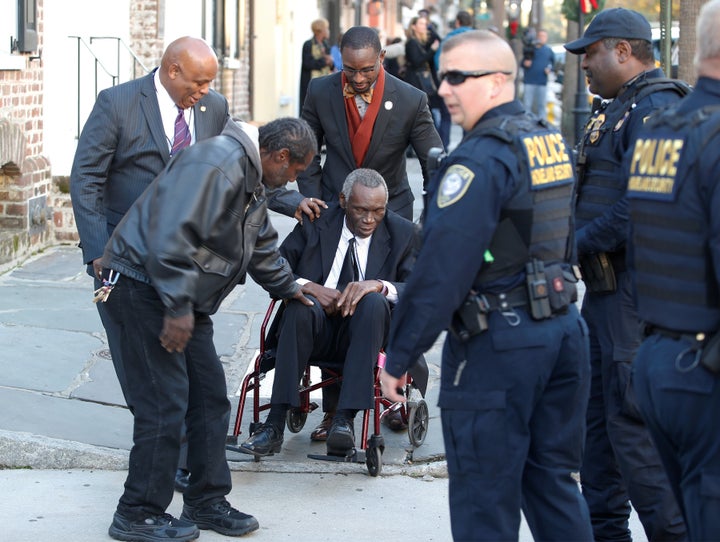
[[183, 246]]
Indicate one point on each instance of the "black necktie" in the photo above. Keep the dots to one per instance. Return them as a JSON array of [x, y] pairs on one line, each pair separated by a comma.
[[349, 271]]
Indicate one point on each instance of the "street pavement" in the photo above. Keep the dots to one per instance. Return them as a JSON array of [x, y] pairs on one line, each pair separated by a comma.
[[65, 432]]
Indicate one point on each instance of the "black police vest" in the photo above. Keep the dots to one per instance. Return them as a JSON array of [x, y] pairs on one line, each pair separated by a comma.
[[670, 216], [600, 174], [537, 222]]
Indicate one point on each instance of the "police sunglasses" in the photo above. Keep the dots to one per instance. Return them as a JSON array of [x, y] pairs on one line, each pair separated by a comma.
[[458, 77]]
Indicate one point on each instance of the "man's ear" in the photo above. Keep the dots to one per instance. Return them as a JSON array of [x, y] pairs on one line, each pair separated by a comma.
[[343, 201], [173, 70], [624, 51], [282, 155]]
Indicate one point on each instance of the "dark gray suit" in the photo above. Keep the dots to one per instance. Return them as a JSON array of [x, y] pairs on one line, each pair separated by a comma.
[[308, 333], [121, 149], [403, 119]]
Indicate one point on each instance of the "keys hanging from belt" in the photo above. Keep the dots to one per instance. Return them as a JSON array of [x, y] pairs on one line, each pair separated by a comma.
[[102, 293]]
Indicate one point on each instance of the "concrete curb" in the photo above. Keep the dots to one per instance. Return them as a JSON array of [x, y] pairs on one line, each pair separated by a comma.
[[26, 450]]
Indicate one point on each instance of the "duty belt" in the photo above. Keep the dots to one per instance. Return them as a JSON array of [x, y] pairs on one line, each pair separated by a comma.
[[651, 329], [517, 297]]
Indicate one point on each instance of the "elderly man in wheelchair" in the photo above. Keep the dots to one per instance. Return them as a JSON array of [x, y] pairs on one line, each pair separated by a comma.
[[352, 262]]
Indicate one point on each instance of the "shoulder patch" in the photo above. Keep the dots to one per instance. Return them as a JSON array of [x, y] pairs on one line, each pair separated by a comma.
[[454, 184]]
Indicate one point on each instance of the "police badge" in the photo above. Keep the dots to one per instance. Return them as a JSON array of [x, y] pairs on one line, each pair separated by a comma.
[[593, 128], [453, 185]]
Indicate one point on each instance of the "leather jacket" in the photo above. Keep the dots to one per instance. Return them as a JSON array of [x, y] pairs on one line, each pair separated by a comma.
[[200, 226]]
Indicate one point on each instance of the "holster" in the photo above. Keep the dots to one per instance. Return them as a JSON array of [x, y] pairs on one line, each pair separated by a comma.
[[470, 319], [598, 272], [710, 355]]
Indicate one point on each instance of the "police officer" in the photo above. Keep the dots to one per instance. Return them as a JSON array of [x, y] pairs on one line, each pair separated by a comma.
[[675, 255], [515, 369], [620, 460]]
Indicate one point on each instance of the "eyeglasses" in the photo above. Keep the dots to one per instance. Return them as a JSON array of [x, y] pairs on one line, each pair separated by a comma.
[[350, 72], [458, 77]]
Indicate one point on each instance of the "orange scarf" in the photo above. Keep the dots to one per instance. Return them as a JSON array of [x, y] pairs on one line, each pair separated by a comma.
[[360, 130]]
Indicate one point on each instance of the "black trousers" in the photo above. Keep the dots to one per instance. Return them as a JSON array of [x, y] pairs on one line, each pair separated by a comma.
[[166, 390], [308, 334]]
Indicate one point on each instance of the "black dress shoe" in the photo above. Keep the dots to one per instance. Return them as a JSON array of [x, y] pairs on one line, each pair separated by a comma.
[[182, 480], [263, 442], [320, 433], [341, 437]]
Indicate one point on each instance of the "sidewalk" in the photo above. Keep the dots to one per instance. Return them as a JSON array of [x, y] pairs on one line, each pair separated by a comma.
[[57, 380]]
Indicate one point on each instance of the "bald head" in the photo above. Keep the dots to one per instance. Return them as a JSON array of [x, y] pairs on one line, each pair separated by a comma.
[[487, 48], [478, 71], [187, 68]]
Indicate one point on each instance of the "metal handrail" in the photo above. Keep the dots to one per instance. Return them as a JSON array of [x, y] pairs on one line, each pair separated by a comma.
[[115, 77], [119, 41]]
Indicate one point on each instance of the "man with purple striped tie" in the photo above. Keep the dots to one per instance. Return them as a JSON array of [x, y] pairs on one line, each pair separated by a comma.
[[128, 139]]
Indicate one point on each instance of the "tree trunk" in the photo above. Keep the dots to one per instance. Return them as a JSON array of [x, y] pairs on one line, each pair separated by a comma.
[[689, 10]]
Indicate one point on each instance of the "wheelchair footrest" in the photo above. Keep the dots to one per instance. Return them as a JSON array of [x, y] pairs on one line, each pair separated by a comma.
[[241, 456], [353, 456]]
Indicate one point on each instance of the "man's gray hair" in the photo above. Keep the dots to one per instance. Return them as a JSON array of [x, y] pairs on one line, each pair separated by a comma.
[[708, 32], [365, 177]]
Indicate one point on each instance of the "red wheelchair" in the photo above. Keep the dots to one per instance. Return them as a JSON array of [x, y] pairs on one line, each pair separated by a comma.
[[414, 412]]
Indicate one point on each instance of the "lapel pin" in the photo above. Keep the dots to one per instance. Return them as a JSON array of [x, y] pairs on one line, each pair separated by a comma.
[[388, 105], [202, 109]]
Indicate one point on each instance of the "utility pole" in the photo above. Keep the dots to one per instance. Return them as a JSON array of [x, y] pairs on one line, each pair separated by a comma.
[[581, 109], [358, 12]]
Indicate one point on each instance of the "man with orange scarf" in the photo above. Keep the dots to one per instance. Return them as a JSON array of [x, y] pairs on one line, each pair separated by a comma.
[[366, 118]]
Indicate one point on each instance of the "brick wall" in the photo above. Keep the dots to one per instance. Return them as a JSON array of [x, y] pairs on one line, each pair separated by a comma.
[[24, 189], [35, 209], [145, 39]]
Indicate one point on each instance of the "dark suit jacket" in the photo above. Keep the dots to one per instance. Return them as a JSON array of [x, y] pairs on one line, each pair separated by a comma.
[[310, 248], [121, 149], [404, 119]]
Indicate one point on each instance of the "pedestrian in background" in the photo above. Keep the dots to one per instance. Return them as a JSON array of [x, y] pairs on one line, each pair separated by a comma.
[[537, 65], [420, 71], [515, 373], [675, 259], [621, 464], [316, 57]]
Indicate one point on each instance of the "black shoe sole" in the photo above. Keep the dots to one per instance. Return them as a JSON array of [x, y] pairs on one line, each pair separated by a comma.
[[135, 537], [253, 526], [273, 450]]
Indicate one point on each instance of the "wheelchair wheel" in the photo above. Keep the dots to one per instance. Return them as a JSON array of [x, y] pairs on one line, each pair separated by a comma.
[[418, 423], [373, 460], [295, 420]]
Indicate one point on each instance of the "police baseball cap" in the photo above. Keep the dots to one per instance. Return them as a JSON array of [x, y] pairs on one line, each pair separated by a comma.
[[612, 23]]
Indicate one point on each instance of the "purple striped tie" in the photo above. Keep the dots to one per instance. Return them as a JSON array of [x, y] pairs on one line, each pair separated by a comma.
[[182, 134]]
